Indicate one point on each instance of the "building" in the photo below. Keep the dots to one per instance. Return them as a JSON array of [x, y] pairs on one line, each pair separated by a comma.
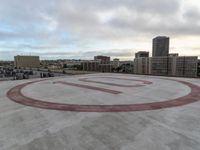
[[167, 66], [105, 68], [198, 68], [186, 66], [174, 54], [102, 59], [162, 66], [141, 65], [141, 54], [90, 65], [27, 61], [99, 64], [96, 66], [160, 46]]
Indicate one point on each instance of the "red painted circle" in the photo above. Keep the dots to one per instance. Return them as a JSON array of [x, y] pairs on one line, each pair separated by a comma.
[[16, 95]]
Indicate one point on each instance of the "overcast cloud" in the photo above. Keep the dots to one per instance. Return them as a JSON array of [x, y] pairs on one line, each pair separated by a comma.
[[83, 28]]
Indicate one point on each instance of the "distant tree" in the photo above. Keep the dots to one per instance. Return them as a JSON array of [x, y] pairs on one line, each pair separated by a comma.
[[65, 66], [78, 67]]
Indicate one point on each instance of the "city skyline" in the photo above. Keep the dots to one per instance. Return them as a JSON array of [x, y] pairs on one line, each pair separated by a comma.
[[76, 30]]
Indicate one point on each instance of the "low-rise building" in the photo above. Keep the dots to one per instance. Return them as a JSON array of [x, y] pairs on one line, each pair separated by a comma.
[[102, 59], [198, 68], [141, 54], [99, 64], [162, 66], [105, 68], [90, 65], [96, 66], [27, 61], [173, 54], [141, 65], [186, 66]]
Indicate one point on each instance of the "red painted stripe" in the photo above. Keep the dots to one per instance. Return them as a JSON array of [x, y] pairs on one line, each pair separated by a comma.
[[88, 87], [143, 81], [107, 83]]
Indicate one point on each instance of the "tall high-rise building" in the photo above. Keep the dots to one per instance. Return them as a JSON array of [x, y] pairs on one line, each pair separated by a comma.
[[160, 46]]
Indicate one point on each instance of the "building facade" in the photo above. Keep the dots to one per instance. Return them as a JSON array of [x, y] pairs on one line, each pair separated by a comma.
[[167, 66], [173, 55], [186, 66], [141, 65], [96, 66], [198, 68], [90, 66], [160, 46], [27, 61], [102, 59], [162, 66], [105, 68], [141, 54]]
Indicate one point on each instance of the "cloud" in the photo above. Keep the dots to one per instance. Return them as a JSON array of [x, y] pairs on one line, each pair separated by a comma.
[[90, 25]]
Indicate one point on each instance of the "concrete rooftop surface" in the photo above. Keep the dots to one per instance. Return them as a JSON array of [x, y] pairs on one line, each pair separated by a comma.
[[100, 112]]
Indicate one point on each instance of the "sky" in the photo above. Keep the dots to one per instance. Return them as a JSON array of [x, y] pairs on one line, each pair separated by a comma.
[[80, 29]]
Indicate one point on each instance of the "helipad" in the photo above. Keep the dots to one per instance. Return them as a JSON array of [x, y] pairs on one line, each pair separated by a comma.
[[100, 111]]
